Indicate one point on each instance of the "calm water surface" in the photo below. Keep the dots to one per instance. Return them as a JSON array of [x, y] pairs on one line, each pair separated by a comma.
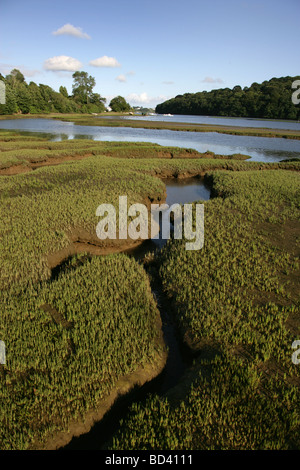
[[258, 148], [186, 190]]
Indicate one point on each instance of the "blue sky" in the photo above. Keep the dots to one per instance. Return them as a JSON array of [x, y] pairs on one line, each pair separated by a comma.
[[149, 51]]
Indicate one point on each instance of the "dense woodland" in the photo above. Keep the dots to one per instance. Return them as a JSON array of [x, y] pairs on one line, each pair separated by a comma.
[[24, 98], [271, 99]]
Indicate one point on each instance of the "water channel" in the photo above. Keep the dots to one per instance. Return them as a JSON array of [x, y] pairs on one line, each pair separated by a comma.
[[179, 358]]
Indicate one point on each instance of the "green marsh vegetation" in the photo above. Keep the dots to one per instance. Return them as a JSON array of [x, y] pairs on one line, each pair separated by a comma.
[[63, 198], [19, 152], [69, 341], [223, 409], [70, 337], [16, 150]]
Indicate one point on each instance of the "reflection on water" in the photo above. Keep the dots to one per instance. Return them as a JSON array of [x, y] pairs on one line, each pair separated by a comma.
[[186, 190], [262, 149]]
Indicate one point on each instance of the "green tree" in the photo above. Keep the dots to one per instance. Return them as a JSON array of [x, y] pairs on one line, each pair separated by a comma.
[[83, 86], [63, 91], [119, 104], [97, 103], [22, 94], [270, 99], [15, 77], [37, 104], [24, 97], [10, 106], [47, 97]]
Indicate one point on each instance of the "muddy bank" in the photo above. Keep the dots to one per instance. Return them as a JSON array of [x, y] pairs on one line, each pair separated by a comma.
[[82, 241], [30, 166], [92, 247]]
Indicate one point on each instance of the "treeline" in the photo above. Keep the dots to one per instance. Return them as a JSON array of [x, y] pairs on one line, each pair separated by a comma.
[[271, 99], [24, 98]]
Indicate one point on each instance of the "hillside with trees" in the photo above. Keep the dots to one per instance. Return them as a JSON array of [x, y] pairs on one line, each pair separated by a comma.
[[271, 99], [25, 98]]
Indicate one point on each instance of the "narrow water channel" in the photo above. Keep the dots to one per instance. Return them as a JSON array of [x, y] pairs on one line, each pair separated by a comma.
[[179, 358]]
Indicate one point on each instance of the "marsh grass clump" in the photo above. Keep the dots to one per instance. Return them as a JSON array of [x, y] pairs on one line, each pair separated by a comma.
[[41, 210], [226, 408], [59, 366], [234, 291]]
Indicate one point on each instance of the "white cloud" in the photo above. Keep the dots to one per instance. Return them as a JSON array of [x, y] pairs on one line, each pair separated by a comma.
[[70, 30], [168, 83], [212, 80], [145, 99], [121, 78], [135, 98], [105, 62], [62, 63]]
